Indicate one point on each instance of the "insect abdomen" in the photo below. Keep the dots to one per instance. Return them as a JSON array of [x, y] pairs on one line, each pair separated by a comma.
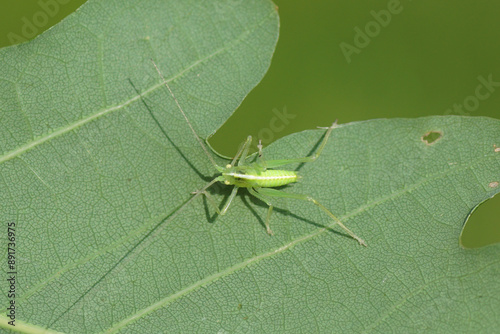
[[250, 178], [274, 178]]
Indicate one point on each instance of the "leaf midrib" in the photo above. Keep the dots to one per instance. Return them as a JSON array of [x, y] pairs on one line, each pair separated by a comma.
[[72, 126], [241, 265], [209, 279], [75, 125]]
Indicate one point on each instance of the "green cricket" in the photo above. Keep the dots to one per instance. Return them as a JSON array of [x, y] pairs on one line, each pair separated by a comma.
[[258, 177]]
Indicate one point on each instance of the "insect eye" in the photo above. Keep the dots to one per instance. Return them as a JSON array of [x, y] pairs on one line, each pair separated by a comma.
[[228, 166], [227, 182]]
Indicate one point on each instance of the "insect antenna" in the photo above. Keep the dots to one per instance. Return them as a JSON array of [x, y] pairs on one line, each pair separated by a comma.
[[184, 114]]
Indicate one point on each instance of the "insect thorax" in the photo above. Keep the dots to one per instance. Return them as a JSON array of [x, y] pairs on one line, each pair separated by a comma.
[[254, 178]]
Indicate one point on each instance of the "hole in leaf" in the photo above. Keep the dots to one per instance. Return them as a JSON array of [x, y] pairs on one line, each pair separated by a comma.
[[481, 228], [431, 137]]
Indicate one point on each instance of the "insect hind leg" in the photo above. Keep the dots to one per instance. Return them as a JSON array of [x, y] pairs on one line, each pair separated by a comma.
[[278, 193], [282, 162]]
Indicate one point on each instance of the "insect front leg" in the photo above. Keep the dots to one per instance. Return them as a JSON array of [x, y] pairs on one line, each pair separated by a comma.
[[261, 162], [229, 200], [243, 152], [253, 192], [278, 193], [212, 202]]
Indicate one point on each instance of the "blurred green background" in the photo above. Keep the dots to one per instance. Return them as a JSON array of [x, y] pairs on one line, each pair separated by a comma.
[[352, 61]]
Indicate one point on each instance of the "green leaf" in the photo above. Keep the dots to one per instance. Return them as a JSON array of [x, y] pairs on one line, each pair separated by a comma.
[[98, 166]]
